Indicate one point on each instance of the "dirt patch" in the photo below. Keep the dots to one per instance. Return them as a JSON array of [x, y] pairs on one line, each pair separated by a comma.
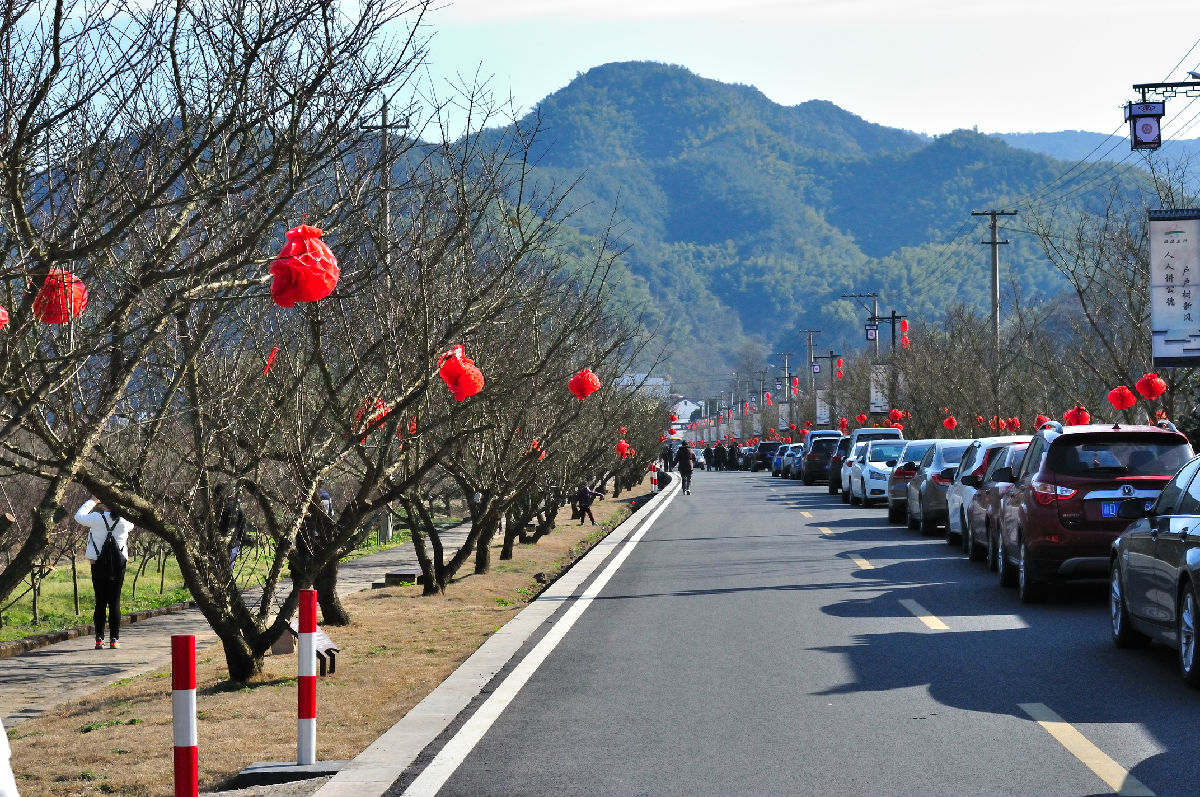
[[398, 648]]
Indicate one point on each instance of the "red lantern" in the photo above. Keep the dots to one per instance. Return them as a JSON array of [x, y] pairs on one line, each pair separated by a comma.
[[62, 297], [843, 424], [662, 438], [622, 449], [792, 427], [674, 417], [905, 342], [622, 430], [1121, 397], [795, 381], [1014, 423], [950, 422], [1077, 416], [1151, 386], [904, 326], [896, 415], [305, 271], [3, 318], [583, 384], [803, 433], [767, 396], [897, 426], [1039, 420], [861, 418], [808, 424], [673, 432], [460, 374]]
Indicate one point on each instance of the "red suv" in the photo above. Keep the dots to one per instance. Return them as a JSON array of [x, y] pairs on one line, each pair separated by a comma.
[[1059, 519]]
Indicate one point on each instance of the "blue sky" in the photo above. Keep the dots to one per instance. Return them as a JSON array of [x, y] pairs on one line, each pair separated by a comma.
[[929, 66]]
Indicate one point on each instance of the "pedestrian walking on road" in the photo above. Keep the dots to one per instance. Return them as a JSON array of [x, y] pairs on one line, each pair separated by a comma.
[[667, 456], [107, 551], [583, 497], [709, 453], [685, 460], [719, 457]]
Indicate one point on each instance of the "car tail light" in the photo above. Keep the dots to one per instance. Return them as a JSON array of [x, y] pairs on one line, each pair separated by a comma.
[[1047, 494], [938, 478], [904, 473], [813, 455]]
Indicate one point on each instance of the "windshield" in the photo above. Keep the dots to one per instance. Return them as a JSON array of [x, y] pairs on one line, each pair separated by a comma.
[[882, 452], [1119, 456], [824, 445], [915, 451], [953, 453]]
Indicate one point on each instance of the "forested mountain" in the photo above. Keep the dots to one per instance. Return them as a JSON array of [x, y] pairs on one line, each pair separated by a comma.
[[747, 220]]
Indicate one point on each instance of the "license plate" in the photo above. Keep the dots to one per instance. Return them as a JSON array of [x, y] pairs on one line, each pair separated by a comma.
[[1109, 508]]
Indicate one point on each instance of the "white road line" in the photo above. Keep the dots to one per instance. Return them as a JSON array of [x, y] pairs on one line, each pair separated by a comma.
[[922, 614], [1109, 771], [456, 750]]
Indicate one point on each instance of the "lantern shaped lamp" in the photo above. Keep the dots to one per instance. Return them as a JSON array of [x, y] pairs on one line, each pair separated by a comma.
[[63, 296], [583, 384], [305, 270], [460, 374]]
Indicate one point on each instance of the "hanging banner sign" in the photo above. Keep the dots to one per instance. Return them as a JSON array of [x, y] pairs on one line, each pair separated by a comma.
[[822, 409], [1174, 279], [785, 414], [880, 376]]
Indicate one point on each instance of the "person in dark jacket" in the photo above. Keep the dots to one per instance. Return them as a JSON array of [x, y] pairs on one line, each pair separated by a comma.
[[685, 460], [667, 456], [583, 498], [719, 457], [709, 451]]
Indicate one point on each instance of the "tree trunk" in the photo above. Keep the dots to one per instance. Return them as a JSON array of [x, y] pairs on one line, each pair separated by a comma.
[[332, 610], [483, 546]]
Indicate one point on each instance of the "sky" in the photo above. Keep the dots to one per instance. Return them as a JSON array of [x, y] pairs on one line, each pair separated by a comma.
[[928, 66]]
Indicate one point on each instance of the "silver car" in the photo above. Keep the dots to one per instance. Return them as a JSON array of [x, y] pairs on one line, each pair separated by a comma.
[[869, 471]]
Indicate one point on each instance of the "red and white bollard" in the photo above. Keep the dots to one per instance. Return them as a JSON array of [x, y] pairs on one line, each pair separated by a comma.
[[183, 715], [654, 477], [306, 670]]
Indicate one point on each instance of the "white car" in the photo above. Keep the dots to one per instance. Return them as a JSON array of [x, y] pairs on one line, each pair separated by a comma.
[[847, 464], [959, 495], [870, 469]]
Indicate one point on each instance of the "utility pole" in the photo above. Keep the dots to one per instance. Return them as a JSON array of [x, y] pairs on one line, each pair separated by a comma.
[[385, 127], [787, 376], [812, 378], [874, 310], [995, 243]]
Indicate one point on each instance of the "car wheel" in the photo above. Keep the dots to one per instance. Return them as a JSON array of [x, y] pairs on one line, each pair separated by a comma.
[[808, 480], [895, 514], [975, 551], [1189, 668], [1029, 590], [1123, 633], [928, 527], [1004, 568], [862, 485], [833, 486], [913, 523], [951, 537]]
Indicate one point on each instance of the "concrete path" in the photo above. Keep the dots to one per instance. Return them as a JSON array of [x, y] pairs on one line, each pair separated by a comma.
[[35, 682]]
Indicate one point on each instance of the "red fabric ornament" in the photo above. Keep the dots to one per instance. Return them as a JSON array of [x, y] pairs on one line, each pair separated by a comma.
[[662, 438], [1077, 416], [897, 425], [905, 342], [270, 359], [61, 298], [674, 417], [3, 318], [622, 430], [412, 425], [542, 455], [803, 433], [1160, 415], [1121, 397], [305, 270], [1014, 423], [622, 449], [979, 420], [583, 384], [792, 427], [767, 396], [460, 374], [895, 415], [673, 432], [808, 424], [1039, 420], [861, 418], [843, 424], [1151, 386], [950, 422]]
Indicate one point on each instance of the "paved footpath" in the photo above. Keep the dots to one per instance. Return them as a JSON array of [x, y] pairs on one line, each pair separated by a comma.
[[35, 682]]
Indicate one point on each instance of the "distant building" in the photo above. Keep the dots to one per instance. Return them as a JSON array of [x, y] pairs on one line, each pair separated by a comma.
[[653, 385], [684, 410]]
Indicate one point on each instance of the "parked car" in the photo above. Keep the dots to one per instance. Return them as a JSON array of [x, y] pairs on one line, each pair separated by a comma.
[[926, 499], [1154, 572], [835, 465], [777, 458], [983, 514], [869, 471], [1060, 518], [745, 456], [958, 497], [902, 472], [790, 467], [762, 453], [874, 433], [810, 442], [815, 459], [847, 464]]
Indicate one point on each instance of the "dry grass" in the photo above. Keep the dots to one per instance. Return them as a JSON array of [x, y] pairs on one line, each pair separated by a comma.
[[398, 648]]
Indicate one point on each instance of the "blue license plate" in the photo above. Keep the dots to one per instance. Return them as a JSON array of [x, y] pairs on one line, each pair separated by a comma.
[[1109, 508]]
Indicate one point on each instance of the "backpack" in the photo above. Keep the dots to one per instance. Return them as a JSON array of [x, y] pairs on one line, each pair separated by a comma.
[[109, 562]]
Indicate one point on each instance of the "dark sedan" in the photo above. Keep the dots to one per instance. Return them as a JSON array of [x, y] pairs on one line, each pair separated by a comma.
[[1155, 569], [983, 515], [927, 490]]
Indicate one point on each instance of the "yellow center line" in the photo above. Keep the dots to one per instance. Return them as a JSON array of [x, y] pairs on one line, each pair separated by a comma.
[[805, 514], [1109, 771], [922, 614], [862, 563], [825, 531]]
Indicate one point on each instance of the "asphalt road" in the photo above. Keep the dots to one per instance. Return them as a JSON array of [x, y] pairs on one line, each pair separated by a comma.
[[763, 638]]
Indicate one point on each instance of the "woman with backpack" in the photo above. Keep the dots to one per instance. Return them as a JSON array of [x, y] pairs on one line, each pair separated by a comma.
[[107, 552]]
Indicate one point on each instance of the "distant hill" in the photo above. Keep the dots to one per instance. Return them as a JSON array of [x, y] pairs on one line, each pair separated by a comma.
[[748, 220], [1077, 145]]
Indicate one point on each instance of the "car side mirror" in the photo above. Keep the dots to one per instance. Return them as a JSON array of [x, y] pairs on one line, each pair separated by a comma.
[[891, 463], [910, 465], [971, 480], [1133, 509], [1003, 475]]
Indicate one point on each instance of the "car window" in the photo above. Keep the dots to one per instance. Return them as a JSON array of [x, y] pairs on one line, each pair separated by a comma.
[[1122, 455], [1173, 499], [952, 455], [1033, 457], [824, 445], [914, 451], [882, 452], [1016, 455], [996, 462], [927, 460]]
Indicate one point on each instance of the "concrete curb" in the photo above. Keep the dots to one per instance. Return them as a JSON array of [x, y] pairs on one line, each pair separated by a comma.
[[374, 770], [16, 647]]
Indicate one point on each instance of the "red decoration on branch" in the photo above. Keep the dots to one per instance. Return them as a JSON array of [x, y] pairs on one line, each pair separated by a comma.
[[622, 449], [460, 374], [950, 422], [1151, 386], [61, 298], [896, 415], [3, 318], [270, 359], [1077, 416], [1121, 397], [583, 384], [861, 418], [1014, 423], [305, 270], [623, 430], [674, 417], [792, 427], [767, 396], [843, 424], [905, 342], [673, 433], [1039, 420]]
